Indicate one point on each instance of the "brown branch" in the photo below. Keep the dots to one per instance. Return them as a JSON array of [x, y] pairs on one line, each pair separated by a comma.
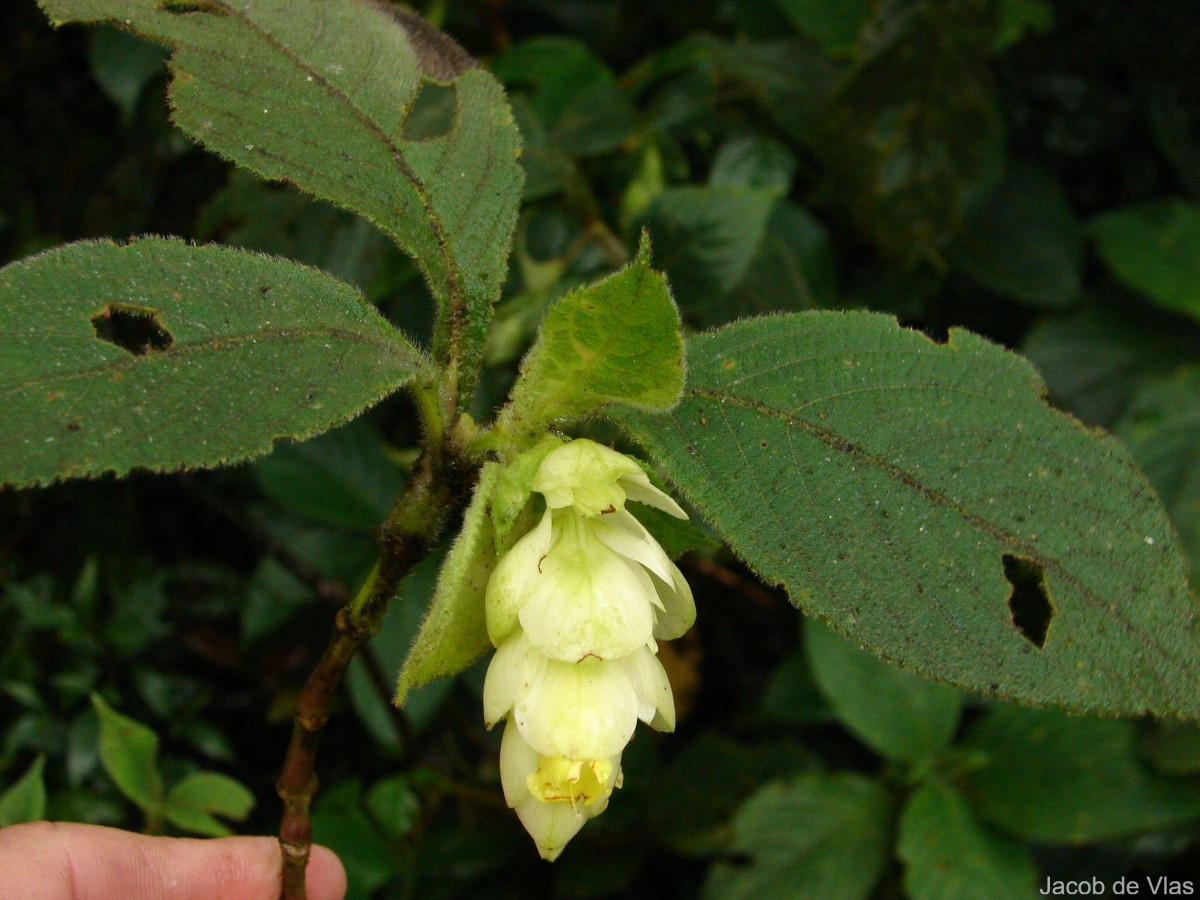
[[406, 537]]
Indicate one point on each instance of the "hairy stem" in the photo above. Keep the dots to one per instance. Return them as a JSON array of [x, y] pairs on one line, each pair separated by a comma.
[[410, 529]]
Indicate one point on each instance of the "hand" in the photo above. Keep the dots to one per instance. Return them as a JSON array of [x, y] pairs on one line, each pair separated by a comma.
[[58, 861]]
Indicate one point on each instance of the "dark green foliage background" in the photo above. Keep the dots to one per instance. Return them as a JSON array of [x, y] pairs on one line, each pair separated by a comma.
[[1027, 170]]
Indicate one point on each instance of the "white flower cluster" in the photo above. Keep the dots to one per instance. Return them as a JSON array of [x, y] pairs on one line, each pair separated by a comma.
[[574, 609]]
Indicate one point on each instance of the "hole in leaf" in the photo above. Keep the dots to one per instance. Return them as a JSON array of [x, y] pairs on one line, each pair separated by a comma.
[[432, 114], [1029, 599], [135, 329]]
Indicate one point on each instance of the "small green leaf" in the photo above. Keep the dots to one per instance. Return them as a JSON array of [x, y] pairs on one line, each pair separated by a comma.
[[124, 65], [576, 96], [129, 752], [343, 477], [1097, 358], [318, 94], [1023, 241], [1017, 17], [617, 342], [1173, 748], [454, 633], [753, 161], [927, 501], [1155, 249], [340, 823], [1161, 427], [161, 355], [835, 25], [272, 594], [823, 837], [947, 853], [390, 648], [694, 821], [1062, 780], [732, 252], [195, 800], [25, 799], [394, 804], [914, 133], [899, 715]]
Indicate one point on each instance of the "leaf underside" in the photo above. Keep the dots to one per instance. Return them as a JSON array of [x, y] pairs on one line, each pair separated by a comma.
[[318, 94], [161, 355], [894, 486]]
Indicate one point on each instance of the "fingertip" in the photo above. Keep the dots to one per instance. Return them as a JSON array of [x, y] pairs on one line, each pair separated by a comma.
[[326, 875]]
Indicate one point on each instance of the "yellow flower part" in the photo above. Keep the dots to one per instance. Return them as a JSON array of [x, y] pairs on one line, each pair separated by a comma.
[[575, 609]]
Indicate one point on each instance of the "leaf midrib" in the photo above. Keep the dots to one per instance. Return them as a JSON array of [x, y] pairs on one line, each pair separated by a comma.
[[453, 286], [214, 345], [836, 442]]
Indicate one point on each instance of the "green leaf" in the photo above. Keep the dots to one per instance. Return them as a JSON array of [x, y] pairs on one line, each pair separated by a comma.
[[454, 633], [898, 714], [123, 65], [199, 796], [318, 93], [343, 477], [277, 220], [1161, 427], [575, 95], [914, 133], [823, 837], [1020, 16], [340, 823], [694, 821], [922, 496], [835, 25], [736, 251], [1155, 249], [1023, 241], [753, 161], [390, 648], [395, 805], [1173, 748], [617, 342], [1097, 358], [272, 594], [160, 355], [948, 854], [25, 799], [129, 752], [1063, 780]]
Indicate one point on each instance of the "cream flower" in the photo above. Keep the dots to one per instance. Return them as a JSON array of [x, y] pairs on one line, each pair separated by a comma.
[[574, 609]]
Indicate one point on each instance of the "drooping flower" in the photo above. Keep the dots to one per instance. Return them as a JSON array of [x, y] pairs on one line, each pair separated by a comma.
[[574, 610]]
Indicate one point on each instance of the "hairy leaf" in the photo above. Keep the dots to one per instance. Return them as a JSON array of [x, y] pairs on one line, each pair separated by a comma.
[[318, 93], [615, 342], [927, 501], [161, 355], [454, 633]]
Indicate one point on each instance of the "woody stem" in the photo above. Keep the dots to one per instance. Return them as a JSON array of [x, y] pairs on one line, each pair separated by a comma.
[[407, 534]]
